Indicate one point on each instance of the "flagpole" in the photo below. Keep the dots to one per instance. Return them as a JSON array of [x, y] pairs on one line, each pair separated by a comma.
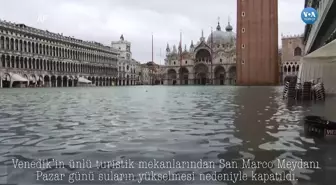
[[160, 56], [211, 78], [151, 76], [180, 48], [152, 48]]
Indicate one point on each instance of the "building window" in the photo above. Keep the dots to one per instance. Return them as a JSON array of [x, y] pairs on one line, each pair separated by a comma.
[[220, 60], [297, 51], [243, 30], [243, 46], [186, 62], [127, 67], [174, 63], [243, 62], [243, 14]]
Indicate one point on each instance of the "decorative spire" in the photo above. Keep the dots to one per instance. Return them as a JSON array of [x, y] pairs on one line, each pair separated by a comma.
[[122, 37], [202, 37], [228, 28], [185, 48], [192, 44], [174, 49], [167, 48], [218, 26]]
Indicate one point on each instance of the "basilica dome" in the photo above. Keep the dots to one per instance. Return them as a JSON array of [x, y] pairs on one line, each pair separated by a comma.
[[221, 37]]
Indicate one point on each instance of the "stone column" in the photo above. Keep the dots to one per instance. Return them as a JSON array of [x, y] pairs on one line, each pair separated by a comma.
[[19, 46], [178, 80], [227, 79], [191, 78]]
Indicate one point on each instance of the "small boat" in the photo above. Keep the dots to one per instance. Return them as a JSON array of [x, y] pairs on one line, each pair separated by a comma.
[[318, 126]]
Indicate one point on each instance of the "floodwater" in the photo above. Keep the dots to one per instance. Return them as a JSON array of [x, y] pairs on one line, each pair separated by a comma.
[[142, 124]]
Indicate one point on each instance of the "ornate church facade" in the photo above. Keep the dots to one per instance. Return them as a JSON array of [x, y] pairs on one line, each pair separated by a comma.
[[210, 61]]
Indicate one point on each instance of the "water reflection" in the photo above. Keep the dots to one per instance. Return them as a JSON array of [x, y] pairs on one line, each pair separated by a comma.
[[142, 123]]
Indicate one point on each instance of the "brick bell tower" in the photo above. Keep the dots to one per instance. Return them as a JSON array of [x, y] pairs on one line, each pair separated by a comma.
[[257, 42]]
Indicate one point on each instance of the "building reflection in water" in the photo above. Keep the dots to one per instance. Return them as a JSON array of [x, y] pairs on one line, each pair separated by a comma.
[[271, 129]]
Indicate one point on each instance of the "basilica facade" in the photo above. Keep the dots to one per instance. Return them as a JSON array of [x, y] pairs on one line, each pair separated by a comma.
[[209, 61]]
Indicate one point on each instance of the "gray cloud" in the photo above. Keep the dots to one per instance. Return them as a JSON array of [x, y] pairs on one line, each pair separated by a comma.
[[106, 20]]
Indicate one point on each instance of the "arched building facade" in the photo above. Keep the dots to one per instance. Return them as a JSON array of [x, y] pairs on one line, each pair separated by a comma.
[[291, 53], [39, 58], [211, 61]]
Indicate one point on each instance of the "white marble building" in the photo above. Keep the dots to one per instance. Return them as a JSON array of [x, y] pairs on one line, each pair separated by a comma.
[[39, 58], [128, 68], [145, 76], [211, 61], [291, 54]]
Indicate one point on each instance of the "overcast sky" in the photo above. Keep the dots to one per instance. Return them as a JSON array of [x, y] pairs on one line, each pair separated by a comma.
[[106, 20]]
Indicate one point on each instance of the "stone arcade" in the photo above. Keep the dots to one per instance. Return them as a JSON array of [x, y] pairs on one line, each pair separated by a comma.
[[38, 58], [208, 62]]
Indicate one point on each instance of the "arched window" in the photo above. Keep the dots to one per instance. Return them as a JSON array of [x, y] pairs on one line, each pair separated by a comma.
[[289, 69], [285, 69], [297, 51], [297, 68]]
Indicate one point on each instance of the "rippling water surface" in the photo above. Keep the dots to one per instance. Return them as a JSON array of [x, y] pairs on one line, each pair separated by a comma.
[[161, 122]]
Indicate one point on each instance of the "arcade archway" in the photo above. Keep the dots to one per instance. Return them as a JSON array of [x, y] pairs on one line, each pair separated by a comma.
[[53, 81], [46, 81], [127, 80], [71, 81], [219, 75], [40, 81], [32, 81], [201, 74], [203, 55], [59, 81], [184, 76], [172, 75], [232, 75], [65, 81]]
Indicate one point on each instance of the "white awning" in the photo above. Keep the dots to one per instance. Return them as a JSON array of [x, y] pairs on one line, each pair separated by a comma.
[[18, 78], [320, 64], [83, 80]]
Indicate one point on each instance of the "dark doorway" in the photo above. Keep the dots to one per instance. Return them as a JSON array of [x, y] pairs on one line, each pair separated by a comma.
[[221, 77], [186, 80], [6, 81], [203, 81]]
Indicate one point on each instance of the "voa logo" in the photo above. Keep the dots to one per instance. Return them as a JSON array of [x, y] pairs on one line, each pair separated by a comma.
[[309, 15]]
